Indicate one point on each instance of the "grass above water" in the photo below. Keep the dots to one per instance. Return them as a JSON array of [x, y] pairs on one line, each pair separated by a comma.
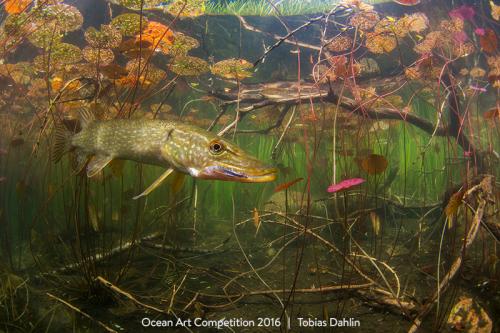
[[264, 8]]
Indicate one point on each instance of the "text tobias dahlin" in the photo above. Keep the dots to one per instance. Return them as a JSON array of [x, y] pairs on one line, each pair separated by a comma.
[[332, 322]]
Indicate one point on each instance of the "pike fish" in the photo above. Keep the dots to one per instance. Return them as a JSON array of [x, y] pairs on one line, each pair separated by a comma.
[[173, 145]]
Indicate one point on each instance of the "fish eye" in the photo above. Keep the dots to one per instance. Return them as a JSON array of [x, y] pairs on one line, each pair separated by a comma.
[[216, 147]]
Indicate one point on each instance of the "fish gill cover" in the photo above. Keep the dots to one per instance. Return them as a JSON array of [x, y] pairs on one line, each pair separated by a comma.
[[260, 165]]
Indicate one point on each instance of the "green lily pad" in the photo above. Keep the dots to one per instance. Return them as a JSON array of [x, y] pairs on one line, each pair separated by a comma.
[[189, 66], [107, 38], [232, 69], [101, 57], [129, 24]]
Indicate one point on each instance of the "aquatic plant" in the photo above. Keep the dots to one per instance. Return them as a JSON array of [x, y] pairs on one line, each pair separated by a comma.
[[44, 38], [129, 24], [181, 45], [189, 66], [380, 43], [61, 17], [364, 20], [108, 37], [16, 6], [98, 56], [232, 69], [340, 43], [187, 8], [138, 4], [158, 35]]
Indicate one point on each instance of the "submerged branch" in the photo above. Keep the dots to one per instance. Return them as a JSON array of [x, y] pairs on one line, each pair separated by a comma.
[[483, 192], [256, 96], [84, 314]]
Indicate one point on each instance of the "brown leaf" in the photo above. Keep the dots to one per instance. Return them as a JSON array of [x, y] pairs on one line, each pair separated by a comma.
[[374, 164], [454, 203], [286, 185], [489, 41]]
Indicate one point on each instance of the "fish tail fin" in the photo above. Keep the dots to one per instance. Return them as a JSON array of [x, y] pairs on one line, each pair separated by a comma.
[[62, 142]]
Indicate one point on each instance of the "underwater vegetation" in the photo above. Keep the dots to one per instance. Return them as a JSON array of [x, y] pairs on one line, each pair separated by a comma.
[[253, 166]]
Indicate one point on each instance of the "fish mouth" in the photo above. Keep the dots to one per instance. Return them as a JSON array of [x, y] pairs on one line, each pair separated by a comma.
[[251, 175]]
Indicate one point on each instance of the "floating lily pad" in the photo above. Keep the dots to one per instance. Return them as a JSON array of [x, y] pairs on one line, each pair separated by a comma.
[[114, 71], [340, 44], [181, 45], [187, 8], [15, 24], [107, 37], [44, 38], [129, 24], [138, 4], [101, 57], [364, 20], [21, 73], [66, 53], [63, 17], [134, 48], [380, 43], [189, 66], [142, 71], [369, 66], [60, 54], [232, 69]]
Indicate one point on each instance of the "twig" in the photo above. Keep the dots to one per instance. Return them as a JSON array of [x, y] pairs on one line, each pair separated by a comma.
[[127, 295], [276, 124], [281, 39], [484, 191], [86, 315]]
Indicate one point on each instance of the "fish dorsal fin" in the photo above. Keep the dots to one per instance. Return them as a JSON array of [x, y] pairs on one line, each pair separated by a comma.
[[97, 163], [86, 117], [155, 184]]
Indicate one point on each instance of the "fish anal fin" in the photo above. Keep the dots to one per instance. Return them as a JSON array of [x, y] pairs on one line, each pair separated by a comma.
[[155, 184], [97, 163]]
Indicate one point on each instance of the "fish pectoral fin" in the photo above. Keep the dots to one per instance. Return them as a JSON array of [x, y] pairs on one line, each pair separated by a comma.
[[97, 163], [155, 184]]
